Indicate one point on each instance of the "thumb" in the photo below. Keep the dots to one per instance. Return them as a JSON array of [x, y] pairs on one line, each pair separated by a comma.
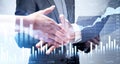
[[48, 10], [62, 20]]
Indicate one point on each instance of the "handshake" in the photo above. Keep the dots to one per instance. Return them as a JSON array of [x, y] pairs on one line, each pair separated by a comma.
[[49, 32]]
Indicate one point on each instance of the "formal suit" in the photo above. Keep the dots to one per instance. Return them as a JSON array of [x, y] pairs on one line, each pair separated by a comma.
[[25, 7]]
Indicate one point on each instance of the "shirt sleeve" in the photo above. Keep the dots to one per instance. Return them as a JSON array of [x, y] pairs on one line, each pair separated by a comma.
[[77, 29]]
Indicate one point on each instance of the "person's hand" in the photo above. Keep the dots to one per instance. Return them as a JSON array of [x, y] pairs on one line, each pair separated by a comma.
[[46, 25], [53, 44], [92, 42], [42, 45], [69, 31], [86, 46]]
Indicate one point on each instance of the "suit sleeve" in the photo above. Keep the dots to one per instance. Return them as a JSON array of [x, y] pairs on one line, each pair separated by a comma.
[[93, 31], [25, 7], [90, 32]]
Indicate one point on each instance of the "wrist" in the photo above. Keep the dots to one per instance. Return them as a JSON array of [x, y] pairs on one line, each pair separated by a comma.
[[25, 20], [21, 23], [77, 32]]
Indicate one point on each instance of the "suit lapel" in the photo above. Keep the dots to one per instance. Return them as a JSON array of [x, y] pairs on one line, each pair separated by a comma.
[[70, 9], [70, 5], [51, 2], [55, 11]]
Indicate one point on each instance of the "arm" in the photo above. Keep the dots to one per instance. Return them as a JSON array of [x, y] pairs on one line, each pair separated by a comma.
[[90, 33], [93, 31], [70, 33], [25, 8], [41, 23], [26, 40]]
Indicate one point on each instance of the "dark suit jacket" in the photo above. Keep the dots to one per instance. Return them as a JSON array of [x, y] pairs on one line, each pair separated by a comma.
[[25, 7]]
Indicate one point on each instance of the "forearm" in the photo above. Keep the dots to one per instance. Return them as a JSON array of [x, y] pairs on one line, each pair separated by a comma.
[[8, 25], [25, 40], [91, 31], [24, 20], [10, 21]]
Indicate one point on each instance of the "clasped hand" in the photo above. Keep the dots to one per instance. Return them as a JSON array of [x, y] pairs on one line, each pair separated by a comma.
[[60, 38], [50, 33], [47, 30]]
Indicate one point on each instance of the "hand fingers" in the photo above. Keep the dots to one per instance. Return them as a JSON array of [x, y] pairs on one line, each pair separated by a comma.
[[50, 49], [98, 38], [48, 10], [45, 47], [48, 19], [89, 44], [56, 44], [61, 36], [55, 38], [62, 20], [53, 46], [40, 44], [95, 41], [64, 24], [52, 26]]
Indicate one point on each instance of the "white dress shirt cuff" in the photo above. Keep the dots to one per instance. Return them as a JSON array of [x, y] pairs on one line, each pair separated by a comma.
[[77, 30]]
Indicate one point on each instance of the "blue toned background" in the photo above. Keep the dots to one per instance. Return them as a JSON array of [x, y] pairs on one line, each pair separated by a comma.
[[10, 53]]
